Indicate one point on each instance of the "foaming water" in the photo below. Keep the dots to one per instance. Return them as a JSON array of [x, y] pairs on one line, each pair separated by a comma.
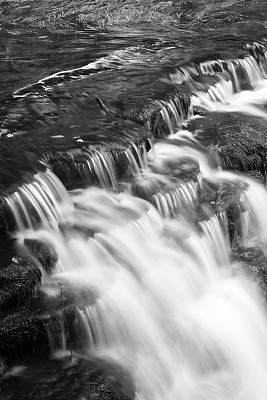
[[241, 87], [156, 291], [167, 151], [165, 302], [254, 203], [167, 307], [235, 85], [221, 97]]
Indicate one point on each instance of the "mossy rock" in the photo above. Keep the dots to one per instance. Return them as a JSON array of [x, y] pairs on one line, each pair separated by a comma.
[[239, 140]]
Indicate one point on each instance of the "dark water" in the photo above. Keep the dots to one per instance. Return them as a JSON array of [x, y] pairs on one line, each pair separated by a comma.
[[52, 114], [220, 30]]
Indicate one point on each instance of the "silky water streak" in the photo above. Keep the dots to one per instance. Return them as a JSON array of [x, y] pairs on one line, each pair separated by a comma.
[[165, 302]]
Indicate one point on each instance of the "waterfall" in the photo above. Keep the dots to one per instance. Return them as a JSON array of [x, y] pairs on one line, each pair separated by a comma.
[[235, 85], [241, 88], [243, 72], [155, 290], [148, 260], [168, 305]]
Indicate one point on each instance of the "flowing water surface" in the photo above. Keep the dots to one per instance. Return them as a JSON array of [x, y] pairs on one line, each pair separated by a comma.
[[158, 302]]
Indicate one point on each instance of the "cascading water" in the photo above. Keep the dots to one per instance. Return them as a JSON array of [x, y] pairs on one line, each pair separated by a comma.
[[240, 86], [165, 302], [156, 291]]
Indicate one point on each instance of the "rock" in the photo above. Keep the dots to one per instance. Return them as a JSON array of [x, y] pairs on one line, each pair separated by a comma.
[[19, 321], [240, 141], [254, 263], [17, 282], [20, 324], [44, 255], [20, 329]]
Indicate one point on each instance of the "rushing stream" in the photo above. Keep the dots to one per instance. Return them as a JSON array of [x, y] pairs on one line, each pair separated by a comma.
[[142, 257]]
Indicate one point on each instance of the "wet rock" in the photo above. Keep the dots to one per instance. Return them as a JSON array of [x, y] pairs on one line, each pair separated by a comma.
[[21, 326], [240, 141], [7, 245], [254, 263], [136, 95], [19, 322], [19, 161], [26, 326], [146, 188], [17, 283], [66, 143], [220, 195], [43, 255], [20, 329], [258, 176], [132, 94]]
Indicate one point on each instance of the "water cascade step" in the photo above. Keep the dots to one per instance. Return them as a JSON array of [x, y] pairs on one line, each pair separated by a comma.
[[145, 253], [229, 85], [166, 304]]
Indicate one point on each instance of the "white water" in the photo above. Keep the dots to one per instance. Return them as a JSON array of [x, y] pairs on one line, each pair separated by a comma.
[[222, 98], [168, 305], [165, 302], [227, 95]]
